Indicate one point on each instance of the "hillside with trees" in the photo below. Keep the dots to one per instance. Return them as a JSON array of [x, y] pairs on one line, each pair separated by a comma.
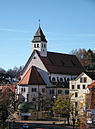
[[86, 57]]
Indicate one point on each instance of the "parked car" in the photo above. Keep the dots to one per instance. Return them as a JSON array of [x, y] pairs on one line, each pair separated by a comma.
[[25, 126]]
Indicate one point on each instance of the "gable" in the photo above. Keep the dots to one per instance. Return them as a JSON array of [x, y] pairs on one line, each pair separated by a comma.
[[34, 60]]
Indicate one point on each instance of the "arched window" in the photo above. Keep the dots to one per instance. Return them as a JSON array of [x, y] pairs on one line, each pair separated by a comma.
[[61, 79], [37, 45], [34, 45], [53, 79]]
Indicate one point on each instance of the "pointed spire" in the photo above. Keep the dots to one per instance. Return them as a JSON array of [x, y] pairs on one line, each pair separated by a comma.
[[39, 36], [39, 22]]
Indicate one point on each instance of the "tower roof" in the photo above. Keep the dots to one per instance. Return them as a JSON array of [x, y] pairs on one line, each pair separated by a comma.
[[39, 36]]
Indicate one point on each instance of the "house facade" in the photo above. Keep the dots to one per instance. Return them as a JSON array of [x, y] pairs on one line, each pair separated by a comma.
[[46, 74], [78, 90]]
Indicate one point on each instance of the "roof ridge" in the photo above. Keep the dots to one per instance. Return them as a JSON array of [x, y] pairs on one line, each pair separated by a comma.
[[61, 53]]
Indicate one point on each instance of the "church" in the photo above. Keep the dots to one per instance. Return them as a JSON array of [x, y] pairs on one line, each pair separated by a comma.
[[46, 74]]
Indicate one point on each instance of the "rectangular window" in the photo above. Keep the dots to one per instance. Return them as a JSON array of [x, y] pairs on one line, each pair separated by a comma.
[[33, 90], [76, 94], [24, 89], [85, 79], [66, 92], [73, 87], [59, 91], [78, 86], [21, 89], [83, 86], [81, 79]]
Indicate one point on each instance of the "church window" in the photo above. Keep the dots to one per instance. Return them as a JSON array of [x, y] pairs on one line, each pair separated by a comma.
[[34, 45], [68, 79], [65, 79], [34, 57], [61, 79], [37, 45], [53, 79], [57, 78], [50, 78]]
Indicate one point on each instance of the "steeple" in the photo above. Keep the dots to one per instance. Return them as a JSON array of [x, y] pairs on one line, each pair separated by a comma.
[[39, 36], [39, 42]]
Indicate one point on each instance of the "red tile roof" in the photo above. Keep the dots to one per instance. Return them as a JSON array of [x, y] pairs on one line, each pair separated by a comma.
[[32, 77], [91, 85], [11, 87]]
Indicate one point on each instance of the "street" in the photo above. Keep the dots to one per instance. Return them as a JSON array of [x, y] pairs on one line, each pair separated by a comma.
[[38, 126]]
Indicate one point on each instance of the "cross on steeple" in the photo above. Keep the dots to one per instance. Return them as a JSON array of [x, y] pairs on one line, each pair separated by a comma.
[[39, 22]]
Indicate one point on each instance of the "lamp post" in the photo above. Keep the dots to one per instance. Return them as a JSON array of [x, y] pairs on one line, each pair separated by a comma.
[[54, 97]]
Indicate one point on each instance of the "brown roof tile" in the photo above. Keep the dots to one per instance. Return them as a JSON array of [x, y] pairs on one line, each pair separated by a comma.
[[91, 85], [59, 63], [62, 63]]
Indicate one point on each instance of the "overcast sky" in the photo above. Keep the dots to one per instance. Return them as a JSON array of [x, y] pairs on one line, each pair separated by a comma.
[[67, 25]]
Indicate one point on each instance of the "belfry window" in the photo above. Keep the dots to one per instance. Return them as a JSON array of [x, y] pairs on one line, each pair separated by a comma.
[[34, 45], [37, 45]]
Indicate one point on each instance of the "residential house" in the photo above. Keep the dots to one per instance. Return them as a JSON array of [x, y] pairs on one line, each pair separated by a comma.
[[78, 91]]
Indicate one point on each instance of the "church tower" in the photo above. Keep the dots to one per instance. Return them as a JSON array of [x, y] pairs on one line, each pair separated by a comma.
[[39, 43]]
